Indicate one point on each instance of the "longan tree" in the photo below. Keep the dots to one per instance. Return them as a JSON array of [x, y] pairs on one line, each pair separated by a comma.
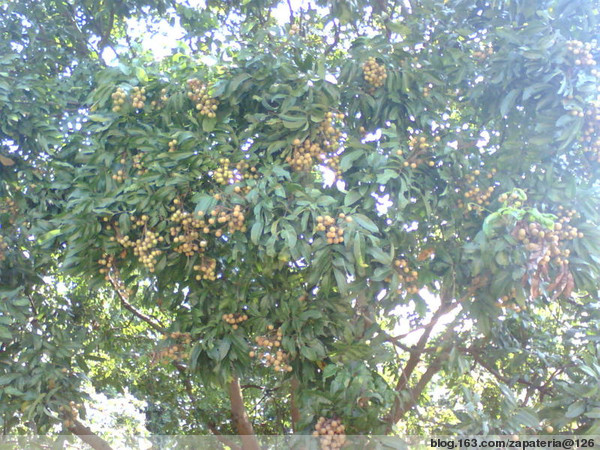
[[345, 217]]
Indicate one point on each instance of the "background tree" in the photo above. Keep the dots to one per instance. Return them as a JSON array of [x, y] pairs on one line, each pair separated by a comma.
[[350, 215]]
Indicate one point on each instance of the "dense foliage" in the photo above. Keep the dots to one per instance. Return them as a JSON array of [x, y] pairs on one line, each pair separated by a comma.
[[384, 214]]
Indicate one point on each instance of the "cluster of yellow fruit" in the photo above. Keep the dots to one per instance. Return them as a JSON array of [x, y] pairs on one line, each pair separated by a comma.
[[186, 234], [223, 174], [374, 73], [138, 164], [332, 433], [9, 207], [235, 219], [418, 146], [245, 171], [199, 94], [407, 277], [138, 97], [69, 413], [118, 99], [206, 269], [172, 146], [303, 153], [185, 338], [334, 233], [146, 251], [546, 244], [175, 351], [427, 89], [591, 132], [162, 99], [582, 53], [107, 261], [484, 52], [234, 319], [294, 29], [278, 359], [3, 247], [507, 301], [168, 354], [476, 195], [119, 176], [330, 135]]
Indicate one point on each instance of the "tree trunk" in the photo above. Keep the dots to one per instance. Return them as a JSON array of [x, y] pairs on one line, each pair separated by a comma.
[[88, 436], [240, 418]]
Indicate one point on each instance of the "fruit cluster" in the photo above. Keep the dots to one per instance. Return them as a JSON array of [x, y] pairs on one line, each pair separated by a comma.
[[69, 413], [582, 53], [146, 251], [172, 145], [277, 359], [138, 164], [224, 174], [234, 319], [3, 247], [330, 135], [507, 301], [418, 147], [118, 99], [206, 269], [175, 351], [303, 153], [591, 132], [9, 207], [119, 176], [334, 233], [374, 73], [545, 245], [199, 95], [162, 99], [235, 219], [186, 235], [294, 29], [245, 171], [407, 277], [332, 433], [138, 97], [484, 51], [476, 194], [107, 262]]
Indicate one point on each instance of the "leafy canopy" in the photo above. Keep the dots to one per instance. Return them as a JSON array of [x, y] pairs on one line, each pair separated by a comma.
[[382, 213]]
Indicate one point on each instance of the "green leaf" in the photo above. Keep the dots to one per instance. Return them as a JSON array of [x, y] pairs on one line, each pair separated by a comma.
[[365, 222], [352, 197], [575, 409], [256, 232]]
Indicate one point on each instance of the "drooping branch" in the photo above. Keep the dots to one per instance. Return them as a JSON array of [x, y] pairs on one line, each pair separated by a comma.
[[88, 436], [240, 418], [123, 295]]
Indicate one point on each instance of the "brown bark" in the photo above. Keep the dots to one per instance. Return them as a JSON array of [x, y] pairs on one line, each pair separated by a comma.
[[88, 436], [294, 411], [240, 418]]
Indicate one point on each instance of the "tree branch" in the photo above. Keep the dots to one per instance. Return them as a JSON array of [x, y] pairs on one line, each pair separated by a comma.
[[90, 438], [122, 293], [398, 410], [240, 418], [294, 411]]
